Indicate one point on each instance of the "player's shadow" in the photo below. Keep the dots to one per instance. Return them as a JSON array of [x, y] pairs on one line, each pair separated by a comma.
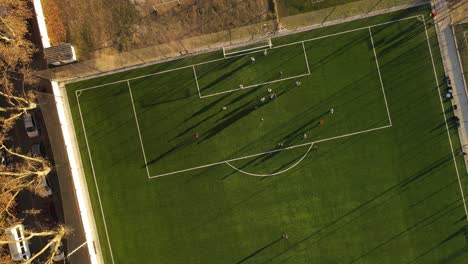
[[292, 137], [176, 148], [207, 107], [253, 254], [363, 209], [453, 256], [224, 77], [232, 117], [192, 127]]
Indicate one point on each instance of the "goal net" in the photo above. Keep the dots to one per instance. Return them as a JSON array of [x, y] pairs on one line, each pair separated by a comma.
[[236, 50]]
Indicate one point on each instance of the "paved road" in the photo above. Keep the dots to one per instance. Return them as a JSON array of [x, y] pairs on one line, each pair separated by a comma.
[[64, 198], [452, 67]]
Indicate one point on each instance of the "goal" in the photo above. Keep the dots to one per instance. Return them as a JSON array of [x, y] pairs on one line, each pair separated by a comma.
[[236, 50]]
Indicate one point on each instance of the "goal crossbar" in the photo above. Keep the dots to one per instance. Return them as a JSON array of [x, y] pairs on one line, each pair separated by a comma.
[[229, 51]]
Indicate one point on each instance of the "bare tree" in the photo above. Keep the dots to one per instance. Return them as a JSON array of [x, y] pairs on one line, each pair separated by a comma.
[[15, 57], [26, 172]]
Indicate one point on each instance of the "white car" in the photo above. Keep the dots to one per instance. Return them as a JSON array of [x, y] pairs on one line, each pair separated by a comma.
[[60, 255], [30, 125], [19, 248]]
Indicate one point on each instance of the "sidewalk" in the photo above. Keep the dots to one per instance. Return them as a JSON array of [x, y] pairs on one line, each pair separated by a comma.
[[452, 69]]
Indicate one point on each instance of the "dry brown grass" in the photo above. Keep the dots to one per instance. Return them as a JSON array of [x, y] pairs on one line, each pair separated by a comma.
[[55, 22], [110, 26], [458, 11]]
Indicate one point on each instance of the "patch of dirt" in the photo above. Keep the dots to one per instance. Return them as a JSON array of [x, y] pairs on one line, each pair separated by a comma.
[[111, 26], [458, 11]]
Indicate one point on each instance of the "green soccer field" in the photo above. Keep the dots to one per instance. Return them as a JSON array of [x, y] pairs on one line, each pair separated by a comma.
[[335, 145]]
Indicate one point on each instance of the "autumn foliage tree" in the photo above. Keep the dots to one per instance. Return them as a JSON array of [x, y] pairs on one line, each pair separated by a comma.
[[25, 172]]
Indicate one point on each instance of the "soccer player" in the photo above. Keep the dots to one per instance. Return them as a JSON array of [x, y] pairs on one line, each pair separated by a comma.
[[332, 110], [252, 59], [305, 135], [265, 52]]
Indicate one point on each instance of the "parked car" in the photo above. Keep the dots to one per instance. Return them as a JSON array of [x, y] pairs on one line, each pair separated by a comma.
[[31, 125], [37, 150], [59, 255], [46, 184], [19, 250], [449, 82]]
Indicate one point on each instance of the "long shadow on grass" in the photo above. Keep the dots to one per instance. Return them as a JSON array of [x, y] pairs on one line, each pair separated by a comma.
[[259, 250], [224, 77], [409, 229], [176, 148], [401, 185]]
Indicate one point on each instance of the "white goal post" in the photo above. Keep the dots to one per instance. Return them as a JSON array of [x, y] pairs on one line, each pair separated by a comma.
[[234, 50]]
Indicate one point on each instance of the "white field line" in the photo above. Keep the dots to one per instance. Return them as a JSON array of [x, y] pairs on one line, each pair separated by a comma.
[[305, 56], [196, 81], [255, 85], [292, 43], [175, 69], [380, 76], [138, 128], [242, 51], [75, 250], [272, 151], [446, 124], [264, 83], [94, 177], [345, 32], [276, 173]]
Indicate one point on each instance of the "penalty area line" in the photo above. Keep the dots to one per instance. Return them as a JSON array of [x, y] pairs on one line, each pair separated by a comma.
[[275, 173], [138, 128], [272, 151], [380, 76]]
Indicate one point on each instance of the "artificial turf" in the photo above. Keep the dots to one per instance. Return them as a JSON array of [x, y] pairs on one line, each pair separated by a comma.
[[388, 195]]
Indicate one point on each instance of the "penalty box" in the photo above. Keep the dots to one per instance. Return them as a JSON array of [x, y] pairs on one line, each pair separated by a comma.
[[251, 69], [178, 131]]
